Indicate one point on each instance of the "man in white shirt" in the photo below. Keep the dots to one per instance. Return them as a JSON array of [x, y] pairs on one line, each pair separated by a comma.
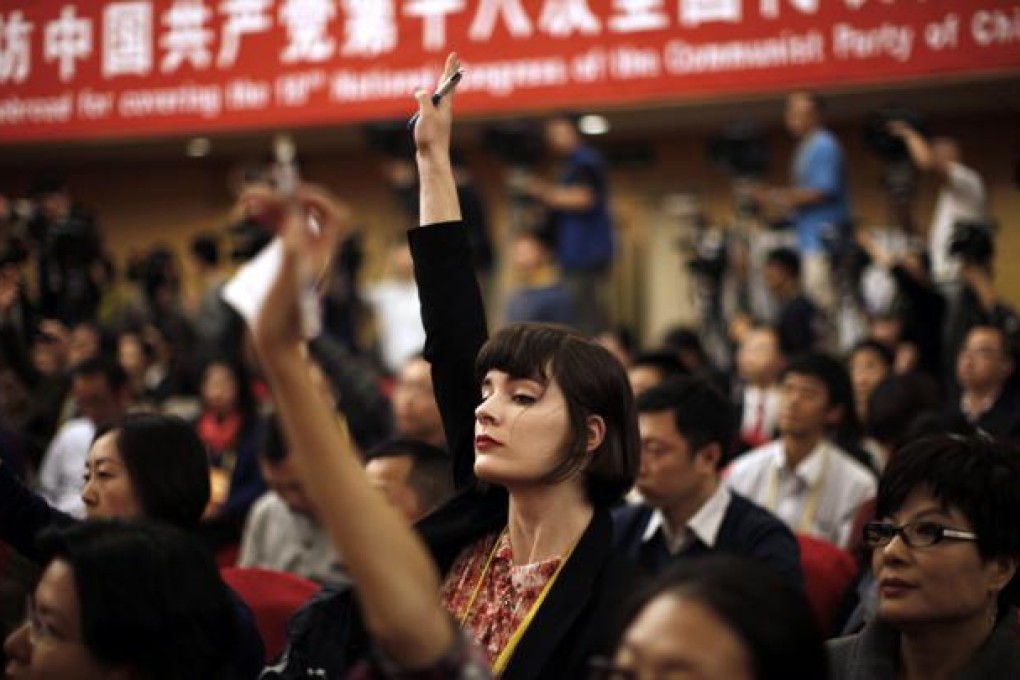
[[282, 532], [807, 481], [962, 196], [102, 394], [686, 425]]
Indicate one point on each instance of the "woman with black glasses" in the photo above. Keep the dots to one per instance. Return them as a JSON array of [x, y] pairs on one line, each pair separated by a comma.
[[945, 557]]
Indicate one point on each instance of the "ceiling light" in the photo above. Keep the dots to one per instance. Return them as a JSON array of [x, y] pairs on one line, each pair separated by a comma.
[[199, 147], [593, 124]]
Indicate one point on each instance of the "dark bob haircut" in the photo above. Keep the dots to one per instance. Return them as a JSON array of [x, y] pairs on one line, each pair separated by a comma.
[[593, 382], [975, 475], [151, 598], [701, 413], [773, 621], [168, 467]]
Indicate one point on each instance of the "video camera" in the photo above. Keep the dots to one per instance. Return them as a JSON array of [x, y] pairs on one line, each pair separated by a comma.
[[973, 242]]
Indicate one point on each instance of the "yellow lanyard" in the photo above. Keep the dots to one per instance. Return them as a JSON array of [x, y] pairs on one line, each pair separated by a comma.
[[511, 646], [807, 516]]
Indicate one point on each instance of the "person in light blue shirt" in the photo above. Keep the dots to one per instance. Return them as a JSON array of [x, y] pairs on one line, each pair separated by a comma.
[[817, 199]]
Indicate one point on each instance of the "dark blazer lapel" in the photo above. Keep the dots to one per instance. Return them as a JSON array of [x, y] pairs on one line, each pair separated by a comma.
[[566, 601]]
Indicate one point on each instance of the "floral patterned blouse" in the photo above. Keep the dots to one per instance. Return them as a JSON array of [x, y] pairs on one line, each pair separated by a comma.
[[503, 600]]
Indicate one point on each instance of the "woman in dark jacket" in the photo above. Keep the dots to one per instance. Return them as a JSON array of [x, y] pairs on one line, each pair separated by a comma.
[[541, 425], [945, 557]]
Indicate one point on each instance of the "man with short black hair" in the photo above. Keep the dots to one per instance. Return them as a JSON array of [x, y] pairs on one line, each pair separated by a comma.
[[988, 398], [800, 324], [805, 479], [686, 427], [283, 533], [416, 477], [102, 393]]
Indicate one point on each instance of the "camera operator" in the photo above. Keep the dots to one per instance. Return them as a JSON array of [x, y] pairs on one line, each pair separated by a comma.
[[817, 198], [67, 246], [579, 207], [961, 198]]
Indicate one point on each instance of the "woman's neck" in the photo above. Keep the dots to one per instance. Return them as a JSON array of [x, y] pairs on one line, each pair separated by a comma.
[[941, 651], [546, 521]]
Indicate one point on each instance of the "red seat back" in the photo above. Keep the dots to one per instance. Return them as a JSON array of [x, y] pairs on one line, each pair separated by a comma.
[[273, 598], [828, 572]]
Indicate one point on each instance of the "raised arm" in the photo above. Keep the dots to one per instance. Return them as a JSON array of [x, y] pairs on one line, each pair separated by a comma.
[[23, 514], [397, 582], [451, 304]]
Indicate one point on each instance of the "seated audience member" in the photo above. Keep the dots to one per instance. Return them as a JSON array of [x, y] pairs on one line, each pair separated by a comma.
[[540, 295], [895, 410], [760, 363], [686, 427], [989, 399], [282, 532], [101, 390], [619, 340], [802, 477], [869, 363], [415, 478], [124, 600], [415, 411], [353, 384], [801, 325], [945, 556], [144, 466], [650, 369], [230, 427], [718, 618]]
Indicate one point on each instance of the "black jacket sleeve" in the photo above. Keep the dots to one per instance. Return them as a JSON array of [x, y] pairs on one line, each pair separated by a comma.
[[23, 514], [454, 319]]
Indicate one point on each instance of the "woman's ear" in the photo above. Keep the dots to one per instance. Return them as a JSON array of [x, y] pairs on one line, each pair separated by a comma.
[[1003, 570], [596, 433]]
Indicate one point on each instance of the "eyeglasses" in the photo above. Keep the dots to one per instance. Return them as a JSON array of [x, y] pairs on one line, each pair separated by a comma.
[[38, 630], [914, 534]]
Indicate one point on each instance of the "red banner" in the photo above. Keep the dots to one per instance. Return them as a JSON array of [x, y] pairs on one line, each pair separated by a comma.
[[72, 69]]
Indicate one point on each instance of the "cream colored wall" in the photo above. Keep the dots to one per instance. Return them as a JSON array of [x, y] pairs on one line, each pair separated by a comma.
[[144, 203]]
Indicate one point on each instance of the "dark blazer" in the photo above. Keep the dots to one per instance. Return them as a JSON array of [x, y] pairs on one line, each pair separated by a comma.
[[746, 531], [579, 616], [1001, 421], [873, 654]]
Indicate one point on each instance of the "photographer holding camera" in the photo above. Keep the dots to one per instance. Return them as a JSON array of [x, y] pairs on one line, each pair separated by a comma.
[[961, 198]]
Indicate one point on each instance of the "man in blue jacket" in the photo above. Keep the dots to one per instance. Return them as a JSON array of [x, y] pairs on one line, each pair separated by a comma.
[[686, 428]]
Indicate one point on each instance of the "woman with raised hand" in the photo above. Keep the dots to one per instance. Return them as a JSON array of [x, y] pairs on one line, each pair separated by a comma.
[[541, 425]]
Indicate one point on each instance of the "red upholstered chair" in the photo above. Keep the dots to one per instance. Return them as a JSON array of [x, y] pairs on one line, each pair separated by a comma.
[[828, 572], [273, 597]]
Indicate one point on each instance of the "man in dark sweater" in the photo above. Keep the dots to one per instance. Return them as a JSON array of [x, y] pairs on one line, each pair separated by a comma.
[[802, 326], [989, 399], [686, 427]]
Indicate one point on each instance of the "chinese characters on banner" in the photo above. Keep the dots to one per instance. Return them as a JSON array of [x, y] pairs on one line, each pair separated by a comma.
[[90, 68]]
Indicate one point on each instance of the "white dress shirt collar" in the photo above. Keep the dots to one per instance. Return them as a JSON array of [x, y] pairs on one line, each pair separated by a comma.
[[703, 525]]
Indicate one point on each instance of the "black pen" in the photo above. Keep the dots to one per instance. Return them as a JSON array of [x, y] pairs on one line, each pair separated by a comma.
[[444, 89]]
